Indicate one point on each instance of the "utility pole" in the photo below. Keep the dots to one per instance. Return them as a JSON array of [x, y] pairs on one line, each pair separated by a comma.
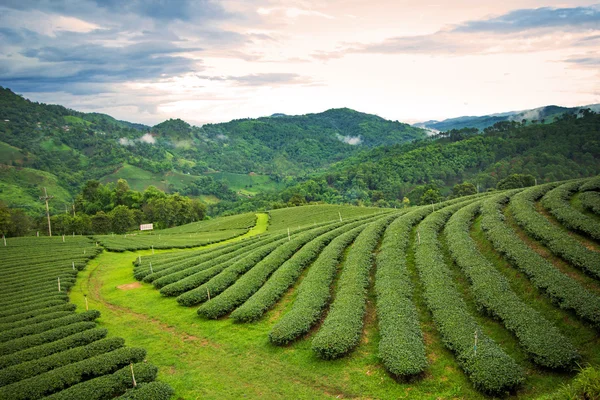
[[45, 198], [73, 209]]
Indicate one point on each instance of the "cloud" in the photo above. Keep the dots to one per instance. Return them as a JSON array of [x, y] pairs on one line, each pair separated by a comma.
[[591, 61], [147, 138], [262, 79], [579, 18], [517, 31], [293, 12], [351, 140]]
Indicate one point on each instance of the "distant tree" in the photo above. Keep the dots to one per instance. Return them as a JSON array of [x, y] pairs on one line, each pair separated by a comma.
[[463, 189], [405, 202], [121, 218], [5, 221], [516, 181], [101, 223], [430, 196]]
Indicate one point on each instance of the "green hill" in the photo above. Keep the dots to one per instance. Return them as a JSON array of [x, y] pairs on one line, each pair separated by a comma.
[[266, 152]]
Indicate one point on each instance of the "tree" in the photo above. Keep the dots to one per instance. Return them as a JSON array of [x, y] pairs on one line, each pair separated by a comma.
[[121, 219], [516, 181], [101, 223], [405, 202], [430, 196], [463, 189]]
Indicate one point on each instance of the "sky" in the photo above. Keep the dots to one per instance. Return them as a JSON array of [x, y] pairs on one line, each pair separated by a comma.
[[213, 61]]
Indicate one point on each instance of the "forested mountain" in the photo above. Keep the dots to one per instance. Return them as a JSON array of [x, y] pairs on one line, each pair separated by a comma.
[[50, 145], [567, 148], [545, 114]]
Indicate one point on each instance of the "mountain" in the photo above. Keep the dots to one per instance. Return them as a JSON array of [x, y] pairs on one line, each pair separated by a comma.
[[567, 148], [66, 148], [545, 114]]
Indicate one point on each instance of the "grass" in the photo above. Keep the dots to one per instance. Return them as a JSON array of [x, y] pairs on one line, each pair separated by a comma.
[[9, 154], [247, 184], [21, 188]]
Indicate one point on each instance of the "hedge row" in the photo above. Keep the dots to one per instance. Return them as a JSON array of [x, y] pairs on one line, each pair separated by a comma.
[[487, 365], [26, 342], [174, 276], [562, 289], [176, 263], [35, 320], [34, 329], [313, 293], [557, 202], [591, 184], [61, 378], [343, 325], [149, 391], [401, 348], [554, 238], [20, 303], [108, 386], [193, 289], [285, 276], [38, 366], [34, 306], [542, 340], [57, 346], [244, 287], [38, 315], [590, 201]]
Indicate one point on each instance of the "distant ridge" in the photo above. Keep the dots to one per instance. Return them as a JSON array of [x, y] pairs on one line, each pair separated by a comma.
[[547, 114]]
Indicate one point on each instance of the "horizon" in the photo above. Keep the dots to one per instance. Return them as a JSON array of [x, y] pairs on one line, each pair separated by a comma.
[[209, 62], [317, 112]]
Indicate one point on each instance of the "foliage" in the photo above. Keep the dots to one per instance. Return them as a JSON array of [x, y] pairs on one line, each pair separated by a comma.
[[516, 181], [401, 348], [557, 202], [585, 386], [590, 201], [487, 365], [558, 241], [562, 289], [342, 328], [542, 340]]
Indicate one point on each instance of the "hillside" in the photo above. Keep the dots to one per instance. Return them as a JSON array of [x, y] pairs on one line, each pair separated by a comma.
[[568, 148], [545, 114], [248, 156]]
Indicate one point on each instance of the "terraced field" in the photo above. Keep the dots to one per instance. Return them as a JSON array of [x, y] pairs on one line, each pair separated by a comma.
[[336, 266], [47, 349], [496, 294]]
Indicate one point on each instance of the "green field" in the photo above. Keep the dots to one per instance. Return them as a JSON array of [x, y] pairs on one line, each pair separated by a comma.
[[247, 184], [383, 304], [21, 187], [9, 153]]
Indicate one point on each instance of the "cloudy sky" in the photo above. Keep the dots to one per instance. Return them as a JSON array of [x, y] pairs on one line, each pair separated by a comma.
[[205, 61]]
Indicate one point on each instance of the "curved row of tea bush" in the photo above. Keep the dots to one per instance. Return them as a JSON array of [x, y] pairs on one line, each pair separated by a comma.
[[559, 242], [285, 276], [197, 288], [557, 202], [491, 290], [109, 386], [247, 284], [401, 347], [45, 346], [343, 325], [485, 363], [562, 289], [314, 292], [233, 254], [590, 201]]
